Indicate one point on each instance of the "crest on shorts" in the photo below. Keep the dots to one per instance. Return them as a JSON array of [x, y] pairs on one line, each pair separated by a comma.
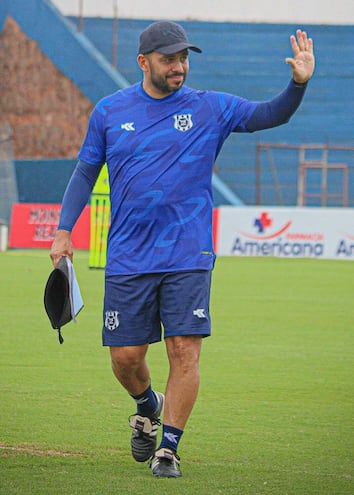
[[183, 122], [111, 321]]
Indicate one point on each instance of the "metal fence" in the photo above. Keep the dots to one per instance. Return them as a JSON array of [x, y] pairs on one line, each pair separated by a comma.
[[304, 175]]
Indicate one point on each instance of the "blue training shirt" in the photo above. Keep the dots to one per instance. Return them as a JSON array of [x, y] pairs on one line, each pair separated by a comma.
[[160, 155]]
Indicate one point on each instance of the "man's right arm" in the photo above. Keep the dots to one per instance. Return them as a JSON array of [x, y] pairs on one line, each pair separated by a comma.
[[75, 199]]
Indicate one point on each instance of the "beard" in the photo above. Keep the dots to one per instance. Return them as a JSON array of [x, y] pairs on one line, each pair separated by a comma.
[[164, 84]]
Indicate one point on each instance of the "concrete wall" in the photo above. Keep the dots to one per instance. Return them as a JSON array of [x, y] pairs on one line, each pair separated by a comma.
[[64, 46], [46, 112], [51, 76]]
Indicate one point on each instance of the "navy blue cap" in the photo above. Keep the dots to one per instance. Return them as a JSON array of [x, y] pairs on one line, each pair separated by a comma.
[[165, 37]]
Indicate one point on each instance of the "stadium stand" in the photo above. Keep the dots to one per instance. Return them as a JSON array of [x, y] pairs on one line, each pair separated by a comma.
[[244, 59], [248, 60]]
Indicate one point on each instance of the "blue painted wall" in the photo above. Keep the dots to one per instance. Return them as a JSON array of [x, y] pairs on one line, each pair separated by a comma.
[[244, 59], [43, 181], [248, 60]]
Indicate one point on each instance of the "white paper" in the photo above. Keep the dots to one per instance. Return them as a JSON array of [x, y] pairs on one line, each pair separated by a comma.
[[76, 302]]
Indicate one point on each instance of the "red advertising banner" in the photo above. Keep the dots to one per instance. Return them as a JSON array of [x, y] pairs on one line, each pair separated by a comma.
[[215, 228], [33, 225]]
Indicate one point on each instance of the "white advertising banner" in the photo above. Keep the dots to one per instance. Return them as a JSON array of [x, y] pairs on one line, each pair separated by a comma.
[[286, 232]]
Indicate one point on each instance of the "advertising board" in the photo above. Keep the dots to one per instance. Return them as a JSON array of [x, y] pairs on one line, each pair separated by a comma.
[[286, 232]]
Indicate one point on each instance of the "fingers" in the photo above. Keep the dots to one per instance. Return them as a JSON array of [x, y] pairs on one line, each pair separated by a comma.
[[301, 43], [310, 45], [303, 62], [291, 62], [56, 256], [55, 260], [301, 39], [61, 246]]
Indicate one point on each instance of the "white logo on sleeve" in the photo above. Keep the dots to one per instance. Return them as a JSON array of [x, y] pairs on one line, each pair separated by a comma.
[[200, 313], [128, 126]]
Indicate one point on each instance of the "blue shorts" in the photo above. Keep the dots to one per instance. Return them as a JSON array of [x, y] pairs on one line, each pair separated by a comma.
[[136, 307]]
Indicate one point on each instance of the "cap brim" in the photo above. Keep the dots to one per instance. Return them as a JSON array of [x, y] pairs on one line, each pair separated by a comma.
[[177, 47]]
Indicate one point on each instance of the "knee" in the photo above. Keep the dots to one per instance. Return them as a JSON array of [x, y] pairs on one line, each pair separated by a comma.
[[126, 358], [184, 351]]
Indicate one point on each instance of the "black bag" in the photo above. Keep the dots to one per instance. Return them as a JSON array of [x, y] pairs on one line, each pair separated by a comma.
[[57, 297]]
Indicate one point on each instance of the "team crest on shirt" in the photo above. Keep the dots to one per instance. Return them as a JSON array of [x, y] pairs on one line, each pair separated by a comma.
[[111, 321], [183, 122]]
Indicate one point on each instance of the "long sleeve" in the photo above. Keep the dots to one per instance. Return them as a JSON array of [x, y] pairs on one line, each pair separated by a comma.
[[77, 194], [277, 111]]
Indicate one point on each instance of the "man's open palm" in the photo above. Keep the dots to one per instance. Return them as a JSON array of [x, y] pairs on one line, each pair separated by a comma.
[[303, 61]]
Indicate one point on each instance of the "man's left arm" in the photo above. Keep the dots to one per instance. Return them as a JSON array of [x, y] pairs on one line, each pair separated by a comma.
[[279, 110]]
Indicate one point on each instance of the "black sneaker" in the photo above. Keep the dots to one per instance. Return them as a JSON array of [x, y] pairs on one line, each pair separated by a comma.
[[143, 441], [165, 464]]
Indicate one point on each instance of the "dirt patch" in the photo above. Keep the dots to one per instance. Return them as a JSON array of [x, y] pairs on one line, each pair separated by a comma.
[[7, 450]]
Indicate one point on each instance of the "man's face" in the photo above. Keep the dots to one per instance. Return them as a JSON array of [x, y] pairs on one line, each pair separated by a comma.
[[165, 74]]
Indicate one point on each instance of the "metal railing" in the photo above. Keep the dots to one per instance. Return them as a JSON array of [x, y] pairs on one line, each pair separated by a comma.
[[322, 174], [8, 184]]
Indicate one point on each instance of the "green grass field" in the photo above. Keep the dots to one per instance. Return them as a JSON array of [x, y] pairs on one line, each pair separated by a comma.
[[275, 410]]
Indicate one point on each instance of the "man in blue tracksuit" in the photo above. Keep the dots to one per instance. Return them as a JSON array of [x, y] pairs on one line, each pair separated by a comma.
[[160, 140]]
